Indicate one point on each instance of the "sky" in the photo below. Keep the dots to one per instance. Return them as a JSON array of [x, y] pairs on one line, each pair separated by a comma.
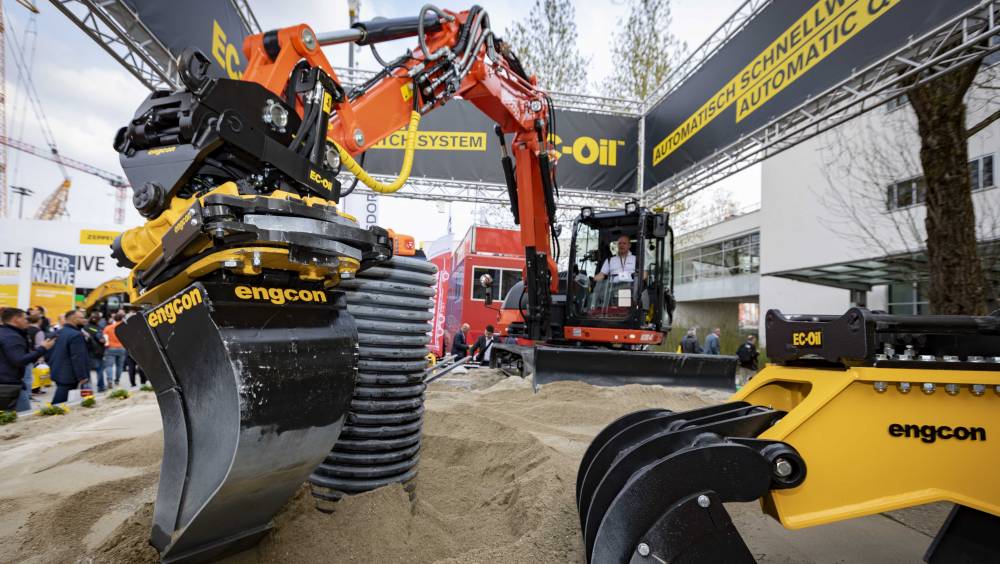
[[87, 96]]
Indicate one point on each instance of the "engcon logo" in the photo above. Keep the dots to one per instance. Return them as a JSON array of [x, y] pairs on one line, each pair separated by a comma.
[[279, 296], [807, 339], [931, 433], [318, 179], [161, 151], [170, 311]]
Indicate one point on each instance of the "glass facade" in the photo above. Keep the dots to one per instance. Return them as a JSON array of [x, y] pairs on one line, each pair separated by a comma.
[[908, 298], [732, 257]]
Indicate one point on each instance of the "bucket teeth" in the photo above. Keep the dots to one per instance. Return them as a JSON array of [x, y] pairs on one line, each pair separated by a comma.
[[252, 397], [655, 482]]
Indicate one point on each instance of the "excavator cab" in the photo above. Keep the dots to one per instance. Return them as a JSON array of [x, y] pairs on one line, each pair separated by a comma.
[[620, 271]]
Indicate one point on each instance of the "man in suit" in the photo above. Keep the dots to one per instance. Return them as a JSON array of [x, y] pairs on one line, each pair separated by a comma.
[[459, 344], [15, 354], [483, 348], [68, 359]]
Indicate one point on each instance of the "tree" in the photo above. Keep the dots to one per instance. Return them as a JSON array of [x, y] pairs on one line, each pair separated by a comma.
[[644, 50], [957, 284], [545, 41], [876, 189]]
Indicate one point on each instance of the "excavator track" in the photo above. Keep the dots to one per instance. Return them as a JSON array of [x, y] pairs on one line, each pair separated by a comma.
[[380, 444]]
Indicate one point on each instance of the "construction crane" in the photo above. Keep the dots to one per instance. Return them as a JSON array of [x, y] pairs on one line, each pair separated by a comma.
[[4, 198], [55, 204]]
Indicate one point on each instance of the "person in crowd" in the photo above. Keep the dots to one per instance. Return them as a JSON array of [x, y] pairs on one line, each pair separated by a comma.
[[621, 267], [15, 355], [482, 349], [460, 344], [36, 339], [96, 345], [712, 342], [747, 355], [133, 368], [69, 358], [114, 354], [40, 312], [689, 344]]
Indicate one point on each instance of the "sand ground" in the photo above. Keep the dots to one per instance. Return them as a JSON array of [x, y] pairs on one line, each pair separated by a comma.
[[496, 484]]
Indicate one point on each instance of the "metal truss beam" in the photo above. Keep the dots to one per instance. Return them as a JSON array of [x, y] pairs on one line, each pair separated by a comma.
[[958, 42], [563, 101], [485, 193], [120, 32], [693, 63]]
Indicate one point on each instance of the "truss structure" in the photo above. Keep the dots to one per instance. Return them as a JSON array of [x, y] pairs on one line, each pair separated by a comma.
[[965, 38], [487, 193], [119, 31]]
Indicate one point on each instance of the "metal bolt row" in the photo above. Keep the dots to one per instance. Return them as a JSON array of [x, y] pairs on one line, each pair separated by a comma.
[[929, 388]]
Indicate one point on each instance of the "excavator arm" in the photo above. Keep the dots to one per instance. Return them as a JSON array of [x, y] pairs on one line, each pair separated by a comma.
[[458, 56]]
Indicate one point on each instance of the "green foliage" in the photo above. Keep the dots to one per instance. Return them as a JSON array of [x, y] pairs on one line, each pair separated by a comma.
[[7, 417], [89, 402], [118, 393], [145, 388], [50, 409], [644, 51], [546, 43]]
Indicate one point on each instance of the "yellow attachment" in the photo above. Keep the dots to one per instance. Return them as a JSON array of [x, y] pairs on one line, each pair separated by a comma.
[[247, 261], [404, 173], [868, 451], [108, 288]]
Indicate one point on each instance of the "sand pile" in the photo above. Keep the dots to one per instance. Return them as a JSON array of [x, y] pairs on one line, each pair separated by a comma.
[[496, 484]]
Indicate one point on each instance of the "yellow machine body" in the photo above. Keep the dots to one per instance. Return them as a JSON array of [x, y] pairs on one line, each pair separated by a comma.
[[143, 246], [870, 451]]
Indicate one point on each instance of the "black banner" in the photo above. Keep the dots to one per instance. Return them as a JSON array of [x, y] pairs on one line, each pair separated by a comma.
[[597, 152], [792, 50], [214, 27]]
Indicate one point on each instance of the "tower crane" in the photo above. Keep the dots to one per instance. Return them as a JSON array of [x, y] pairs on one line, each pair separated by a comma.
[[55, 204]]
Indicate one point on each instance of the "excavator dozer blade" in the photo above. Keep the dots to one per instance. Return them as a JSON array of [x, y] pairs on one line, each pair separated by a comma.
[[613, 367], [254, 379]]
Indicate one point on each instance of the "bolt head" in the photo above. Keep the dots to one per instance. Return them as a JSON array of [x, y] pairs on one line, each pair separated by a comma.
[[952, 389], [703, 501], [535, 105], [332, 157], [643, 549], [927, 388], [783, 468], [359, 137], [978, 389], [904, 387], [309, 39], [881, 387], [275, 115]]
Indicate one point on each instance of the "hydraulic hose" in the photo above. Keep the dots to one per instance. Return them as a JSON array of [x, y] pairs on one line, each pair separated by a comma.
[[404, 173]]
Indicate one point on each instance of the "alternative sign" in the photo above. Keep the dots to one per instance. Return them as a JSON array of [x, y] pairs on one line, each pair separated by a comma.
[[53, 280], [792, 50]]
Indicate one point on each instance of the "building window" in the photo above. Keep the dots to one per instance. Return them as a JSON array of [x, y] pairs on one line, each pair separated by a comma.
[[981, 173], [732, 257], [503, 280], [910, 299], [906, 193]]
